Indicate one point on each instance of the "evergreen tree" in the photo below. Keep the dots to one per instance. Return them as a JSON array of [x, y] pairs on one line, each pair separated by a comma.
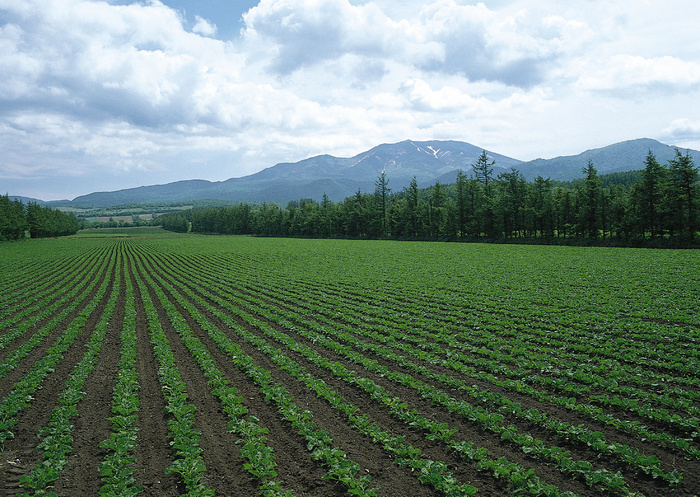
[[513, 190], [483, 171], [13, 220], [543, 207], [462, 202], [651, 195], [620, 218], [412, 202], [382, 191], [437, 211], [47, 222], [268, 221], [354, 216], [564, 207], [682, 196], [589, 202], [327, 218]]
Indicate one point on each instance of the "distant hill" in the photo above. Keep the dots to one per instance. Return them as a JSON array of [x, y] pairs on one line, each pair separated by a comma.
[[26, 200], [620, 157], [339, 178], [311, 178]]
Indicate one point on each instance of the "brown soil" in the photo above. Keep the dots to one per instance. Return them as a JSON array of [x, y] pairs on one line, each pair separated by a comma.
[[301, 475]]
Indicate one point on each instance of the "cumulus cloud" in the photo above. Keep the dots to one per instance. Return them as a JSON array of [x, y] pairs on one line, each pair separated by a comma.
[[301, 33], [204, 27], [484, 45], [422, 97], [136, 87], [683, 132], [445, 37], [626, 74], [123, 60]]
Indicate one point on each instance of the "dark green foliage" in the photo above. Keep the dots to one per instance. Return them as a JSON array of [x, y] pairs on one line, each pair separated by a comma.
[[590, 202], [682, 196], [13, 221], [41, 222], [46, 222], [654, 207], [178, 222], [512, 208], [650, 191], [382, 192], [483, 169]]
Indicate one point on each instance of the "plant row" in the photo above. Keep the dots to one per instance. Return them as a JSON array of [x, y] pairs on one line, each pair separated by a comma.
[[319, 443], [57, 439], [261, 460], [117, 467], [20, 396], [520, 477], [646, 464]]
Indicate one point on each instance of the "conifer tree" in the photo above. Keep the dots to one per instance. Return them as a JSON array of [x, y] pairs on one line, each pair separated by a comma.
[[682, 196], [651, 192], [382, 191], [589, 202]]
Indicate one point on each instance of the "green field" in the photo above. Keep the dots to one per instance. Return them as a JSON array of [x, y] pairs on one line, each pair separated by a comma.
[[142, 362]]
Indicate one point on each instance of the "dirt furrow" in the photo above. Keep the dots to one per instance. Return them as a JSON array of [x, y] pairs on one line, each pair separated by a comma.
[[153, 452], [22, 447], [225, 474], [613, 464], [553, 409], [299, 471], [388, 478], [81, 476], [636, 480]]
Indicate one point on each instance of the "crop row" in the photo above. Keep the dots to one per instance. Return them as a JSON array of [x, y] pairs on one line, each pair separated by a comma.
[[399, 338], [462, 357], [647, 465], [423, 336], [117, 468], [464, 389], [594, 478], [57, 436], [483, 418], [341, 469], [20, 396]]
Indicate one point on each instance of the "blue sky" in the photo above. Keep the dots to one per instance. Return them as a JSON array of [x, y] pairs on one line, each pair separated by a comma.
[[226, 15], [103, 94]]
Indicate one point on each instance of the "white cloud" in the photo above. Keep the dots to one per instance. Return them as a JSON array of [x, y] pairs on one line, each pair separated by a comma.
[[301, 33], [204, 27], [684, 128], [444, 37], [626, 73], [485, 45], [94, 86], [683, 132], [447, 99]]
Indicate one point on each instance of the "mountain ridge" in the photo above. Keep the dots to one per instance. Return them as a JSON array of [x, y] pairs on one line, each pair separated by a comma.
[[339, 178]]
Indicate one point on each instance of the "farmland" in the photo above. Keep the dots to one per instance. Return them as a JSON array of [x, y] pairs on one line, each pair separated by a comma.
[[164, 364]]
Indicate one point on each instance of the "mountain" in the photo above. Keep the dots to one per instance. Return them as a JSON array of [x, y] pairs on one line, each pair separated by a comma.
[[339, 178], [623, 156], [28, 200], [171, 192]]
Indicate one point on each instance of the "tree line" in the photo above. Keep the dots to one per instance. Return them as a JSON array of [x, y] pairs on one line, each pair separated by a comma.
[[16, 219], [657, 206]]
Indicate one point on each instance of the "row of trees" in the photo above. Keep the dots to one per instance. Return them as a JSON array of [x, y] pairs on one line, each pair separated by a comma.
[[16, 219], [659, 208]]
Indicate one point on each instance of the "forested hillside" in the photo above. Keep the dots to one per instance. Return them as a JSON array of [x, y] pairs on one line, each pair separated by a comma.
[[16, 219], [657, 206]]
